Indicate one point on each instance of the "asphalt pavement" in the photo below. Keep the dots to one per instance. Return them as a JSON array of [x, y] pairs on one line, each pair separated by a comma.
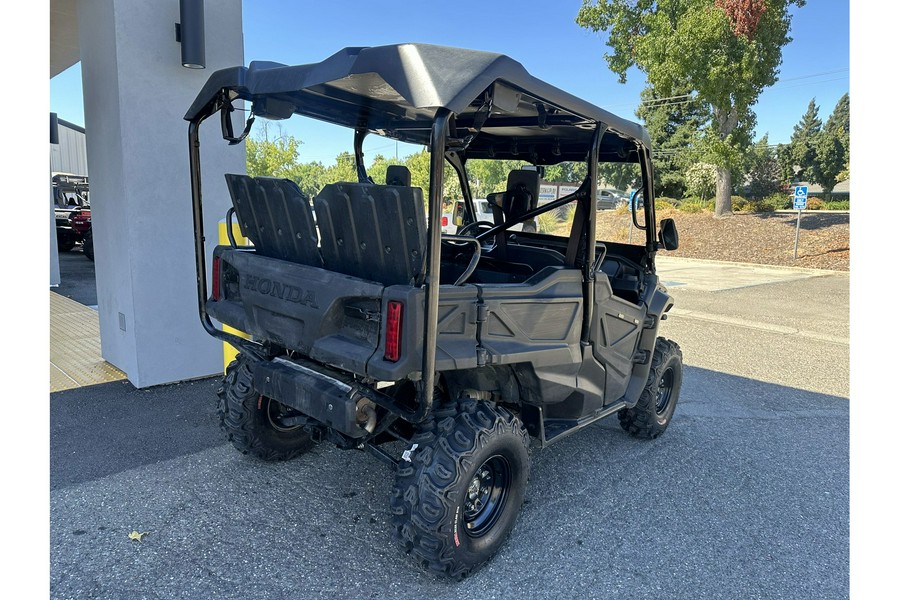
[[77, 277], [745, 496]]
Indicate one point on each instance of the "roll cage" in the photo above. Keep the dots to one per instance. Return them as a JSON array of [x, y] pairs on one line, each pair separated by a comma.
[[462, 105]]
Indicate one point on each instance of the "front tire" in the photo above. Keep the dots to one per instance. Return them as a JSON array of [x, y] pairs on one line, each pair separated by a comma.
[[457, 498], [252, 421], [650, 417]]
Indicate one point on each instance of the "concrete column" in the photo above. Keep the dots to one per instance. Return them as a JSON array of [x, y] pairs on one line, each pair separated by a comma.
[[135, 95], [54, 248]]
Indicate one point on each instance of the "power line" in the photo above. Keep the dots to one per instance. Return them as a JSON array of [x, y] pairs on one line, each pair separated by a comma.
[[667, 98], [813, 75], [660, 102]]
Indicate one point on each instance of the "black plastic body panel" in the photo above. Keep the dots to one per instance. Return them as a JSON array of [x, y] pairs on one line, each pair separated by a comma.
[[537, 321], [658, 304], [520, 340], [276, 216], [326, 316], [615, 332], [375, 232]]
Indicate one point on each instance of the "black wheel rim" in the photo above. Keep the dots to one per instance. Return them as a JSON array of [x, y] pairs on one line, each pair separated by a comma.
[[664, 391], [276, 413], [486, 495]]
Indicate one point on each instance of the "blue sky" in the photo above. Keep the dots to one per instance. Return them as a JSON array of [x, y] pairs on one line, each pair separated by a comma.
[[542, 36]]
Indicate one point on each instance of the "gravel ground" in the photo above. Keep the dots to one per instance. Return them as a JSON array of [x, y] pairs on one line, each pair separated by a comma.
[[766, 238]]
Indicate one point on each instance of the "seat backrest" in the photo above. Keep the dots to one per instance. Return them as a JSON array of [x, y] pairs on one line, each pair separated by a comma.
[[276, 216], [522, 189], [398, 175], [374, 232]]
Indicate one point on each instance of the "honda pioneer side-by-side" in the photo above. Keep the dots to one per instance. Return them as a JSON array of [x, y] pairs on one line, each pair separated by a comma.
[[445, 356]]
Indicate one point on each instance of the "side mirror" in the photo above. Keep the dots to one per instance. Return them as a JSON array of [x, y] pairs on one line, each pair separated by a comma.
[[668, 234]]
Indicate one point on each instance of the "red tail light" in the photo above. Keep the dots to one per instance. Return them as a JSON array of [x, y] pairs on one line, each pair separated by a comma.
[[394, 326], [444, 221], [216, 278]]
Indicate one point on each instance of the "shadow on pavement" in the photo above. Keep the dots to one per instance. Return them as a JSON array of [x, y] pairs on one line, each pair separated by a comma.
[[108, 428], [745, 496]]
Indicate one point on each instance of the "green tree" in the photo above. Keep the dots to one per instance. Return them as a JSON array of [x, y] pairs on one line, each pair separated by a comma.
[[419, 165], [566, 172], [674, 126], [829, 160], [271, 156], [803, 142], [343, 169], [620, 176], [378, 169], [763, 172], [488, 176], [839, 121], [727, 51], [832, 148], [310, 177]]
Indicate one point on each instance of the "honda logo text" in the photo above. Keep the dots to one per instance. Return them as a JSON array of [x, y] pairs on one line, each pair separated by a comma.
[[279, 290]]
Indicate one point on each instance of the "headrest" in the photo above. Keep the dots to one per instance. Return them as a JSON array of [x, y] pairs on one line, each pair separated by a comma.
[[522, 189], [398, 175]]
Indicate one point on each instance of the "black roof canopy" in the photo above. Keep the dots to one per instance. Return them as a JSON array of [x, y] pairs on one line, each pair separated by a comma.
[[501, 111]]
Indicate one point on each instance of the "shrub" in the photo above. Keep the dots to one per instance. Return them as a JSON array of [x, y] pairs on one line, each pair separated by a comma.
[[740, 204], [771, 203], [565, 213], [701, 179], [547, 222], [837, 205], [696, 205], [665, 203], [815, 203]]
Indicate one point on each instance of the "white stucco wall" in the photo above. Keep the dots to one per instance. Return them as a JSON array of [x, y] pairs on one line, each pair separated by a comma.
[[135, 95]]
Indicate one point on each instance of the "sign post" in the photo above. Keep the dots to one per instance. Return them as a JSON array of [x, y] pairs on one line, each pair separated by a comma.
[[800, 192]]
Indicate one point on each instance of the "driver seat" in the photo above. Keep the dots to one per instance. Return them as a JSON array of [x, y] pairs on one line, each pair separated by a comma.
[[522, 189], [521, 196]]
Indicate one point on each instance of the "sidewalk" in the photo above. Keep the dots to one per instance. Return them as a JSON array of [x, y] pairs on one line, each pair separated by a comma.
[[75, 359]]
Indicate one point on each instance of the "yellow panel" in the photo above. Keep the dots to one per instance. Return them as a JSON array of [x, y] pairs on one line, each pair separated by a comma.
[[228, 351]]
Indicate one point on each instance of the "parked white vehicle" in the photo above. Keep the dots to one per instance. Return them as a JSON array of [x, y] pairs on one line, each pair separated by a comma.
[[453, 220]]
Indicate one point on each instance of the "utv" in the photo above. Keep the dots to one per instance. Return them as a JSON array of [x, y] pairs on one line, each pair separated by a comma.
[[445, 356], [72, 212]]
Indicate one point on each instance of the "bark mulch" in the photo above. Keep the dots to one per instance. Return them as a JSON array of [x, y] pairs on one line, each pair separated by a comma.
[[766, 238]]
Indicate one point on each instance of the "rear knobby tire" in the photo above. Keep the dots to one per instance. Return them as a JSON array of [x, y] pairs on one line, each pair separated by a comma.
[[456, 500], [651, 415], [250, 420]]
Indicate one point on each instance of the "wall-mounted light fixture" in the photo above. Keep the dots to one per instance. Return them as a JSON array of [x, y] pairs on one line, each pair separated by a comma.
[[54, 128], [190, 32]]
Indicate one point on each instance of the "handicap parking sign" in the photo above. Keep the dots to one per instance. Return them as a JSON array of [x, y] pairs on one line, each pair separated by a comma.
[[800, 192]]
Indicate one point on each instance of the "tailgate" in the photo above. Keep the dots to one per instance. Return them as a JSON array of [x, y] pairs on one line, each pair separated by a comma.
[[330, 317]]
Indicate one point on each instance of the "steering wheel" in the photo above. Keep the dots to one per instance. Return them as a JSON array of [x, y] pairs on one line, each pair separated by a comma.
[[474, 228]]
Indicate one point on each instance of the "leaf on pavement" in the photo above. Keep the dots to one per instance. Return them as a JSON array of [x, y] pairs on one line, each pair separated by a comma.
[[135, 535]]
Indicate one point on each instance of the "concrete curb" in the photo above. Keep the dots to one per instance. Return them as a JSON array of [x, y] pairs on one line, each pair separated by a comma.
[[663, 259]]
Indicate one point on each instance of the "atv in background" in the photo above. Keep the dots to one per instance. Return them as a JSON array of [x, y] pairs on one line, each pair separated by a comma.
[[72, 210], [447, 357]]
